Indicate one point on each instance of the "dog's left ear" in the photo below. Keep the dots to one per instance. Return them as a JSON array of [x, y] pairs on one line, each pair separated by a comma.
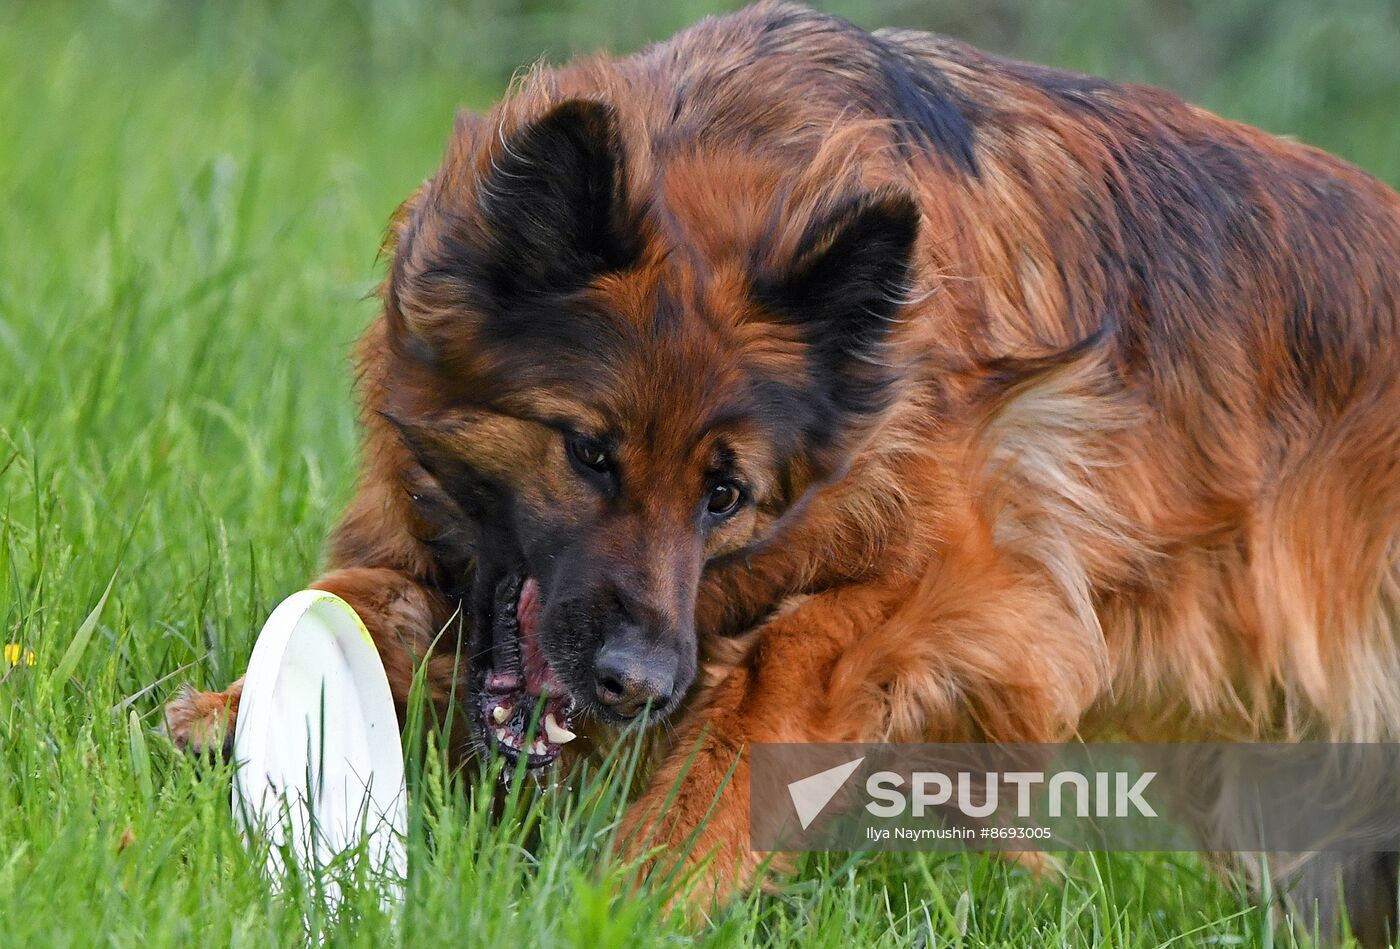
[[843, 291], [553, 203]]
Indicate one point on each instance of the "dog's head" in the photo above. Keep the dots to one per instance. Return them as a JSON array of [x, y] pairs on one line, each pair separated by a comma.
[[607, 402]]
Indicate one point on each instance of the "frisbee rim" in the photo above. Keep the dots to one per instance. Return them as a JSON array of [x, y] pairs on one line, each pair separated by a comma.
[[366, 681]]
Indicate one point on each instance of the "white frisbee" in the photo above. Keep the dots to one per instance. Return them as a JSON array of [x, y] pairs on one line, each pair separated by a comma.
[[320, 766]]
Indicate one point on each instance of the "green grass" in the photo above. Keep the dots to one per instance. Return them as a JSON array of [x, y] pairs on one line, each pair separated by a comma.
[[190, 204]]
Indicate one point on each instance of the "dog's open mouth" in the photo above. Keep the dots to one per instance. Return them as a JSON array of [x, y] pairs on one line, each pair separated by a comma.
[[519, 683]]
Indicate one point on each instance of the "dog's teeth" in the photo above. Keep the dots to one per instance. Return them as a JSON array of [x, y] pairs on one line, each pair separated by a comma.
[[500, 713], [501, 735], [555, 732], [538, 748]]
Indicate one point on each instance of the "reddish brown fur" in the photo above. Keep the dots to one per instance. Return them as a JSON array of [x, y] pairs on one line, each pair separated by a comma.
[[1143, 474]]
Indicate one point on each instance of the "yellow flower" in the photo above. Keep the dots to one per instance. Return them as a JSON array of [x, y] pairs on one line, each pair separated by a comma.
[[15, 653]]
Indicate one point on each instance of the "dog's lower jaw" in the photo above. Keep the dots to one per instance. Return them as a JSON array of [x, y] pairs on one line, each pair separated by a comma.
[[523, 709]]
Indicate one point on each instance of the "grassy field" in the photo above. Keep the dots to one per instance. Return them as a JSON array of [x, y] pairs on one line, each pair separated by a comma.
[[191, 199]]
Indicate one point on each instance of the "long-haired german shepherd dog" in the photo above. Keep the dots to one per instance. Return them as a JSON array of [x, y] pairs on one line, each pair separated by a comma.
[[799, 383]]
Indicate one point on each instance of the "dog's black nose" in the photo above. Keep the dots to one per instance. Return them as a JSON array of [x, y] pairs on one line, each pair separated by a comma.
[[628, 676]]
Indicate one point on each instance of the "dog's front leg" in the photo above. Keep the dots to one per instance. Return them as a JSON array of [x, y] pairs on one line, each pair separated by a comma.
[[979, 649], [696, 806]]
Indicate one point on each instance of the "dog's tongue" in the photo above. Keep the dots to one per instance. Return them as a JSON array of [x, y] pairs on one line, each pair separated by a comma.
[[527, 607], [539, 678]]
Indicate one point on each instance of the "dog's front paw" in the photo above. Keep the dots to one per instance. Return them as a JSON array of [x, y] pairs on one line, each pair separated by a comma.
[[691, 838], [202, 722]]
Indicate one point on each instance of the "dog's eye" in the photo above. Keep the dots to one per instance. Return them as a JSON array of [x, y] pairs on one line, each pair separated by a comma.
[[724, 499], [589, 453]]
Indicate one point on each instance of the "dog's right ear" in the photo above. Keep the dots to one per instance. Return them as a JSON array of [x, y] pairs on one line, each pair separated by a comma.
[[548, 214], [552, 204]]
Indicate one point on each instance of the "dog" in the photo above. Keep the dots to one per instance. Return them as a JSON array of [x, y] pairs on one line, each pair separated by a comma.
[[789, 382]]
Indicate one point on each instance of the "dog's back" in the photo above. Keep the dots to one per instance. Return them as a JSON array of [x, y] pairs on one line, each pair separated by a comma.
[[1227, 442], [1177, 338]]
